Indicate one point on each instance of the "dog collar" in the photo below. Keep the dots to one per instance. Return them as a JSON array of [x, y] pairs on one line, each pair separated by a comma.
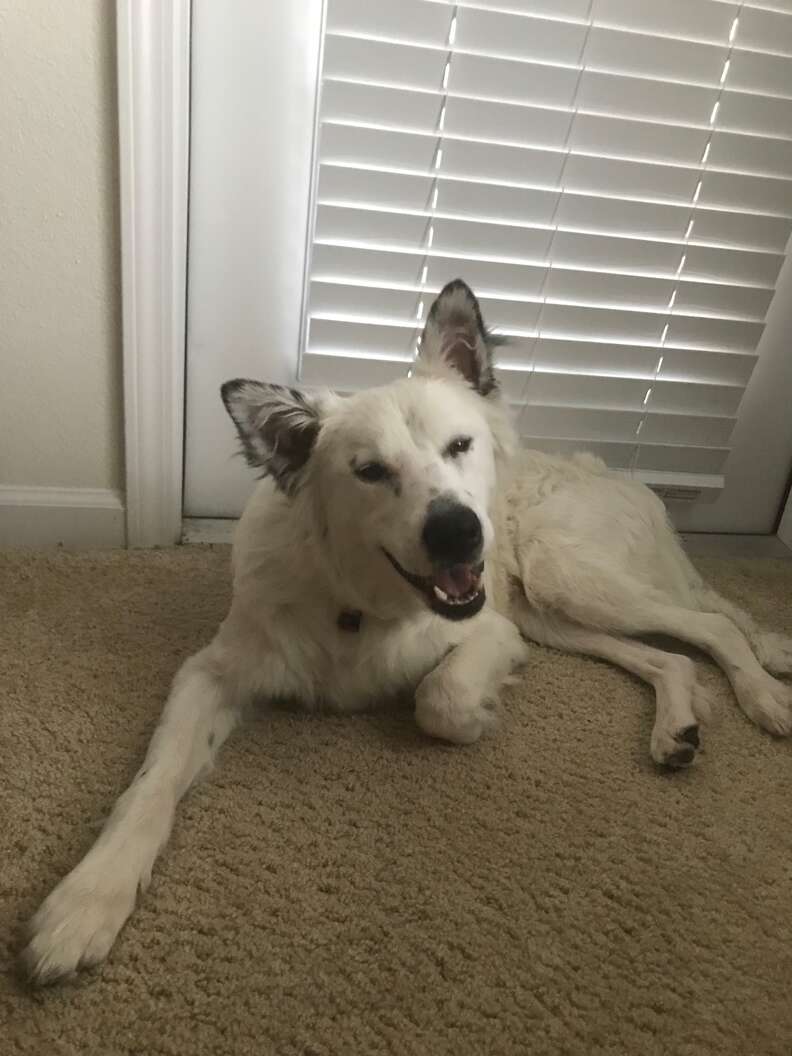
[[349, 620]]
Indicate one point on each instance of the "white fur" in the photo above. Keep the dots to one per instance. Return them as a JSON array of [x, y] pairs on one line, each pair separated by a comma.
[[577, 558]]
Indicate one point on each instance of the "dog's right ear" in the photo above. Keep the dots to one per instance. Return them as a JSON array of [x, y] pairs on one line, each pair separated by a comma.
[[278, 427], [455, 337]]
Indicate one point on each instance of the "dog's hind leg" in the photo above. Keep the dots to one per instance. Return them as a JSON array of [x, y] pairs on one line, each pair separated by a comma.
[[603, 595], [79, 921], [690, 590], [451, 701], [681, 703], [774, 651], [763, 698]]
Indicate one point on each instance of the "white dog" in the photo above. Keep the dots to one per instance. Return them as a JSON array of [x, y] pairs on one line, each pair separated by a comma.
[[399, 543]]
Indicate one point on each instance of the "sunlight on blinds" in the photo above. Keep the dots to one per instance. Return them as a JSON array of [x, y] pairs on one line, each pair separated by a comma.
[[613, 178]]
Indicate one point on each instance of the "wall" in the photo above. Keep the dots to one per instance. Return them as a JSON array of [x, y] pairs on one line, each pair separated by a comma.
[[60, 312]]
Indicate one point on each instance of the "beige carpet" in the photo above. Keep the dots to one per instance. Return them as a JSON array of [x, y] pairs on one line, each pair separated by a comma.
[[344, 886]]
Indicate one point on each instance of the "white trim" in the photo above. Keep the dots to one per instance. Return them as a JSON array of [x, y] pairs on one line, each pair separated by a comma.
[[208, 529], [220, 531], [254, 70], [678, 487], [153, 103], [785, 525], [709, 544], [757, 470], [310, 227], [32, 516]]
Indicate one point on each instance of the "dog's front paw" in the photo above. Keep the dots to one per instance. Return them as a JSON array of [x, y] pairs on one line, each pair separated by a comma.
[[76, 925], [447, 710]]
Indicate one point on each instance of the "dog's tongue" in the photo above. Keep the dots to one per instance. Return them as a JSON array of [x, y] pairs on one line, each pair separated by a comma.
[[457, 580]]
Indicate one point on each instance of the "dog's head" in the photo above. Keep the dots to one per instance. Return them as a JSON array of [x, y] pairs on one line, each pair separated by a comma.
[[398, 479]]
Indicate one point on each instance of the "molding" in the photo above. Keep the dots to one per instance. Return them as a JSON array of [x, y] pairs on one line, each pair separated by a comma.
[[32, 516], [757, 470], [785, 524], [704, 544], [217, 530], [210, 530], [678, 488], [153, 41]]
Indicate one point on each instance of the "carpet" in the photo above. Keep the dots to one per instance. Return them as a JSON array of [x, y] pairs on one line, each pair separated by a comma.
[[345, 886]]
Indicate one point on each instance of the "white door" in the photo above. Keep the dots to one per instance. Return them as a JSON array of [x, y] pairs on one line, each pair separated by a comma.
[[616, 180]]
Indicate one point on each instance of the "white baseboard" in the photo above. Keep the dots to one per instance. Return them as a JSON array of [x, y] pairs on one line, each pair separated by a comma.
[[208, 529], [218, 530], [31, 516]]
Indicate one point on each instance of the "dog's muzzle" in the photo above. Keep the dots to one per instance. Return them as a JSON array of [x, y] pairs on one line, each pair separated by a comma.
[[455, 592]]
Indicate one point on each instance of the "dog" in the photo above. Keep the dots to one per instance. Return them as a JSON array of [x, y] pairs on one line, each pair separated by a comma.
[[398, 542]]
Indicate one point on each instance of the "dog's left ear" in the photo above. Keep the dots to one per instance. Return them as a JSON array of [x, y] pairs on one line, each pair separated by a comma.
[[455, 336], [278, 427]]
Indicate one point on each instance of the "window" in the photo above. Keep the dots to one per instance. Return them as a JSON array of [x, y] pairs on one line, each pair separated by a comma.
[[614, 179]]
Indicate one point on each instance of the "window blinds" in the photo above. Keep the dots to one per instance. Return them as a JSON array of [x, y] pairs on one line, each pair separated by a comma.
[[613, 178]]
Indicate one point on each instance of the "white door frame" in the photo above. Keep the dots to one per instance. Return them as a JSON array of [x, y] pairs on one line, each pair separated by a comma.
[[784, 531], [153, 40]]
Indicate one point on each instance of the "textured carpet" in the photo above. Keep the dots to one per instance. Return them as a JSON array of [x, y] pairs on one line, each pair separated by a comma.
[[345, 886]]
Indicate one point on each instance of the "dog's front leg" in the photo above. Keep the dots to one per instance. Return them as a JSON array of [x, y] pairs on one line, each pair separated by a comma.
[[451, 701], [79, 921]]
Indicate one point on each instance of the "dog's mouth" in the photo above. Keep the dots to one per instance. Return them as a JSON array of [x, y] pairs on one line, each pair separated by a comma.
[[456, 592]]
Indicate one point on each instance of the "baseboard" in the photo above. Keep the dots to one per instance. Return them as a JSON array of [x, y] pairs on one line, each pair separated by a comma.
[[208, 530], [218, 530], [712, 544], [72, 517]]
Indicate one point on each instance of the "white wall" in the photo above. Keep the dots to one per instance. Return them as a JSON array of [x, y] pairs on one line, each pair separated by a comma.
[[60, 331]]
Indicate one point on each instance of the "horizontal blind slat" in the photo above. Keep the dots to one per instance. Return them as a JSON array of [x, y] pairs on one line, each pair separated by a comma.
[[616, 426], [618, 94], [393, 191], [359, 265], [588, 251], [380, 341], [566, 390], [754, 72], [403, 307], [758, 114], [519, 36], [713, 408], [413, 21], [543, 168], [667, 459], [572, 10], [679, 459], [695, 19], [765, 31]]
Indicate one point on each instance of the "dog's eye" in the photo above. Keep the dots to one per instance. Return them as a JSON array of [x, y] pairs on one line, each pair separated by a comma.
[[459, 446], [372, 472]]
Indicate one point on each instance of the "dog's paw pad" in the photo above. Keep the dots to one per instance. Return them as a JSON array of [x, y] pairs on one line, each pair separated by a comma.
[[683, 756], [690, 735], [677, 748]]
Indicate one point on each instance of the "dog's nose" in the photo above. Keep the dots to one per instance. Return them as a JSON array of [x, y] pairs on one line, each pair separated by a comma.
[[452, 533]]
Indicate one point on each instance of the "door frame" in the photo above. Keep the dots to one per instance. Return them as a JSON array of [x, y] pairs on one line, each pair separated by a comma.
[[153, 50]]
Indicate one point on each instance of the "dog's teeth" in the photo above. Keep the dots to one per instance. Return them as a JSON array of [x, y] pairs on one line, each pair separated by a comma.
[[454, 599]]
